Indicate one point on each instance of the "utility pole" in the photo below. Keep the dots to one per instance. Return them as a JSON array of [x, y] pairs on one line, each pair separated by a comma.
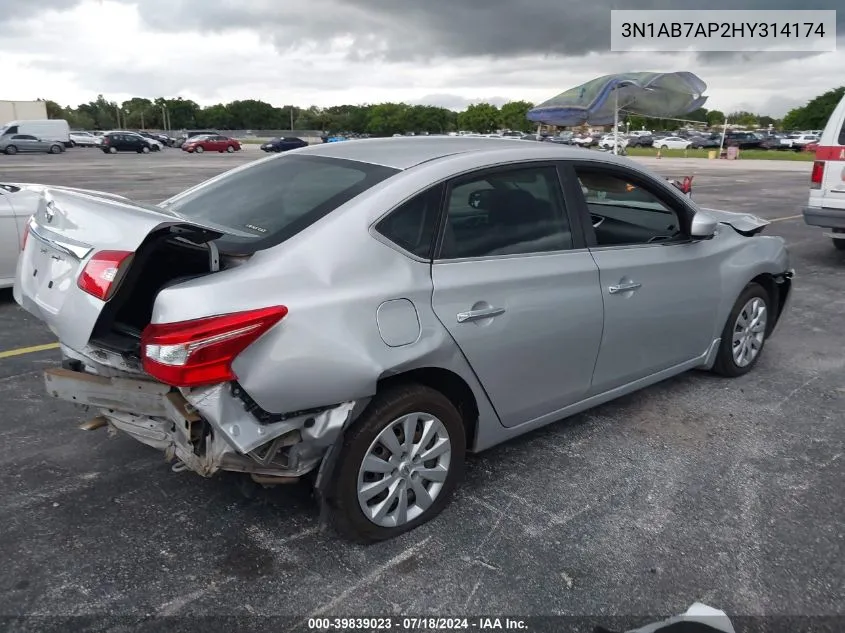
[[117, 111], [291, 118]]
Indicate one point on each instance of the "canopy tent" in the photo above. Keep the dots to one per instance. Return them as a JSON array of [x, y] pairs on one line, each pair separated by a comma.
[[599, 101]]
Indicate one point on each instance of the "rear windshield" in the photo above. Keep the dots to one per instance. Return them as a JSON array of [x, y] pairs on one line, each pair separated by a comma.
[[276, 198], [841, 139]]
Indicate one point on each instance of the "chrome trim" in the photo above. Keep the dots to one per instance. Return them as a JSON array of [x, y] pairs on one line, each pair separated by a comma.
[[623, 288], [475, 315], [79, 252]]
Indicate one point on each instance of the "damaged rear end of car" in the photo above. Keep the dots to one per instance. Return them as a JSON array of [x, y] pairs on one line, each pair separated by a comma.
[[146, 305]]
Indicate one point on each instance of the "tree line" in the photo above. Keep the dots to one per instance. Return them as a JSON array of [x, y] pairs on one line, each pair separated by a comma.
[[382, 119]]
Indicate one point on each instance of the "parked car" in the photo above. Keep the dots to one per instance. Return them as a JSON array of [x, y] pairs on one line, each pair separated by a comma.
[[162, 140], [826, 206], [742, 140], [27, 143], [283, 144], [17, 204], [640, 140], [211, 143], [606, 141], [810, 147], [375, 310], [705, 142], [84, 139], [183, 138], [672, 142], [797, 141], [114, 142]]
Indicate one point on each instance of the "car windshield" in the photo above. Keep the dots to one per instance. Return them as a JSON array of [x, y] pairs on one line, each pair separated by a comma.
[[275, 198]]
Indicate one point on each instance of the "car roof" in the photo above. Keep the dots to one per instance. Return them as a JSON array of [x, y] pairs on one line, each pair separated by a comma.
[[406, 152]]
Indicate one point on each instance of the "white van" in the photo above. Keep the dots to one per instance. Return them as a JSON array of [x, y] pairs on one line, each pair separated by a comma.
[[826, 207], [47, 129]]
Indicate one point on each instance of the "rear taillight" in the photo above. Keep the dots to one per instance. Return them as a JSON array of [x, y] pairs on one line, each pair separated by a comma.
[[101, 275], [105, 140], [201, 352], [818, 175]]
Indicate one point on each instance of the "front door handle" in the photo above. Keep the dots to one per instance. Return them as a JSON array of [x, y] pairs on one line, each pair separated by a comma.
[[476, 315], [623, 288]]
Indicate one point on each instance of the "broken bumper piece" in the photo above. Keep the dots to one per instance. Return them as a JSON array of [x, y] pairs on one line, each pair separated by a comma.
[[206, 429]]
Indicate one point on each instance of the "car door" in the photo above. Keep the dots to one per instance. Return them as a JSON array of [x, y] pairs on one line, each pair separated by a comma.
[[661, 290], [517, 290], [9, 240], [26, 143]]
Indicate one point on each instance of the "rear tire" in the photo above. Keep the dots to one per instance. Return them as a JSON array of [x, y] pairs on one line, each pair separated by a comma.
[[740, 332], [11, 149], [56, 149], [383, 414], [112, 150]]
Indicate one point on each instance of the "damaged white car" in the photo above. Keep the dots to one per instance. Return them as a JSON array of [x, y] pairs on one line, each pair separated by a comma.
[[369, 312]]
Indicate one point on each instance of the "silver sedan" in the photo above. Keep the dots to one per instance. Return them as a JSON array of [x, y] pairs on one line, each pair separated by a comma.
[[26, 143], [364, 314]]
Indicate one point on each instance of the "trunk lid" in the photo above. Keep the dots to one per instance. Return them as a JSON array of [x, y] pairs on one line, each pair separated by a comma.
[[66, 230]]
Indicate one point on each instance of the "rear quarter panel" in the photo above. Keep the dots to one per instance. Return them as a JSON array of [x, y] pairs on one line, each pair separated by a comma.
[[332, 277]]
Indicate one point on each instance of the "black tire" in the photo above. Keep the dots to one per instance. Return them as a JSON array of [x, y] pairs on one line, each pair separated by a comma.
[[347, 517], [11, 149], [56, 149], [838, 243], [200, 149], [725, 364]]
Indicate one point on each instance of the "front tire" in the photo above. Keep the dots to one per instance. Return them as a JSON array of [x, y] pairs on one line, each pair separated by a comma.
[[399, 464], [230, 148], [744, 335], [664, 147], [838, 243], [199, 149]]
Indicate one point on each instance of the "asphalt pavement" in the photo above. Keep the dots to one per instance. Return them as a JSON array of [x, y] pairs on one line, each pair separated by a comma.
[[728, 492]]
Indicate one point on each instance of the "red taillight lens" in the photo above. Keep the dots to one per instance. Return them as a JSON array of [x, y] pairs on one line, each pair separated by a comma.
[[102, 273], [106, 140], [201, 352], [818, 175], [25, 234]]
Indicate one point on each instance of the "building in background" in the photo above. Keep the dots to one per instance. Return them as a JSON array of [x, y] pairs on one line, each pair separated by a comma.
[[22, 111]]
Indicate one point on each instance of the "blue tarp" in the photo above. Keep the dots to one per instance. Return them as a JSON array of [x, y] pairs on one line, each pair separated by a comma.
[[648, 94]]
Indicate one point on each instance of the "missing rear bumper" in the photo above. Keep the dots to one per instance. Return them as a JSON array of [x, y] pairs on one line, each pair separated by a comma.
[[208, 429]]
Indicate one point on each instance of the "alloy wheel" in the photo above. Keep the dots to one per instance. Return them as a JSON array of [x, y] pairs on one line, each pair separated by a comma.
[[404, 469]]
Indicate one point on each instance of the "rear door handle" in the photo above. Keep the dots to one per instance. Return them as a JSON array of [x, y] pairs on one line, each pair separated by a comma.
[[476, 315], [623, 288]]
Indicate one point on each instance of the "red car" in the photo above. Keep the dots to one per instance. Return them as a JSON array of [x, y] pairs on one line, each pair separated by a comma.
[[810, 147], [211, 143]]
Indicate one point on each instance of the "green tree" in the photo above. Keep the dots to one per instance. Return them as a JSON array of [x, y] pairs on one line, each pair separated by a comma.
[[514, 116], [715, 117], [54, 110], [743, 118], [138, 113], [479, 117], [815, 114]]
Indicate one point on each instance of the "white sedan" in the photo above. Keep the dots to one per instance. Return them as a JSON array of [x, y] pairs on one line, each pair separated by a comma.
[[672, 142], [84, 139]]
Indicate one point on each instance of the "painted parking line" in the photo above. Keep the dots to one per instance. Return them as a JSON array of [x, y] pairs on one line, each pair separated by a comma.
[[788, 217], [28, 350]]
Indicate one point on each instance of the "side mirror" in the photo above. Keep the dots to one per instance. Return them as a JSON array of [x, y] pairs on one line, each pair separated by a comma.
[[703, 226]]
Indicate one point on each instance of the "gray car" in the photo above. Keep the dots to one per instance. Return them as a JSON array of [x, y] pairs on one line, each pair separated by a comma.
[[21, 143], [364, 314]]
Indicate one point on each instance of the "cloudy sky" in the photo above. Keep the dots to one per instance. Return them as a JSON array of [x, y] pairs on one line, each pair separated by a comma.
[[326, 52]]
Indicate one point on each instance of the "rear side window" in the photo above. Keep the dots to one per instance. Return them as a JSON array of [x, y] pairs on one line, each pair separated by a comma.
[[412, 225], [276, 198]]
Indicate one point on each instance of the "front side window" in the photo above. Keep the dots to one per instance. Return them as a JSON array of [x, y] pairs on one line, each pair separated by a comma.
[[624, 212], [508, 212]]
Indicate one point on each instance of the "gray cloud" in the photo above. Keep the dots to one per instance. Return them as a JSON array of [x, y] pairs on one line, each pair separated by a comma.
[[410, 30], [456, 102]]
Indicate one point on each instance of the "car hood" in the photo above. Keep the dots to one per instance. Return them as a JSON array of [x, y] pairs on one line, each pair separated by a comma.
[[745, 223]]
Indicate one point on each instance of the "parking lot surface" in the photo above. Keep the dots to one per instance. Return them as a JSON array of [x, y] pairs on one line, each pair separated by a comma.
[[723, 491]]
